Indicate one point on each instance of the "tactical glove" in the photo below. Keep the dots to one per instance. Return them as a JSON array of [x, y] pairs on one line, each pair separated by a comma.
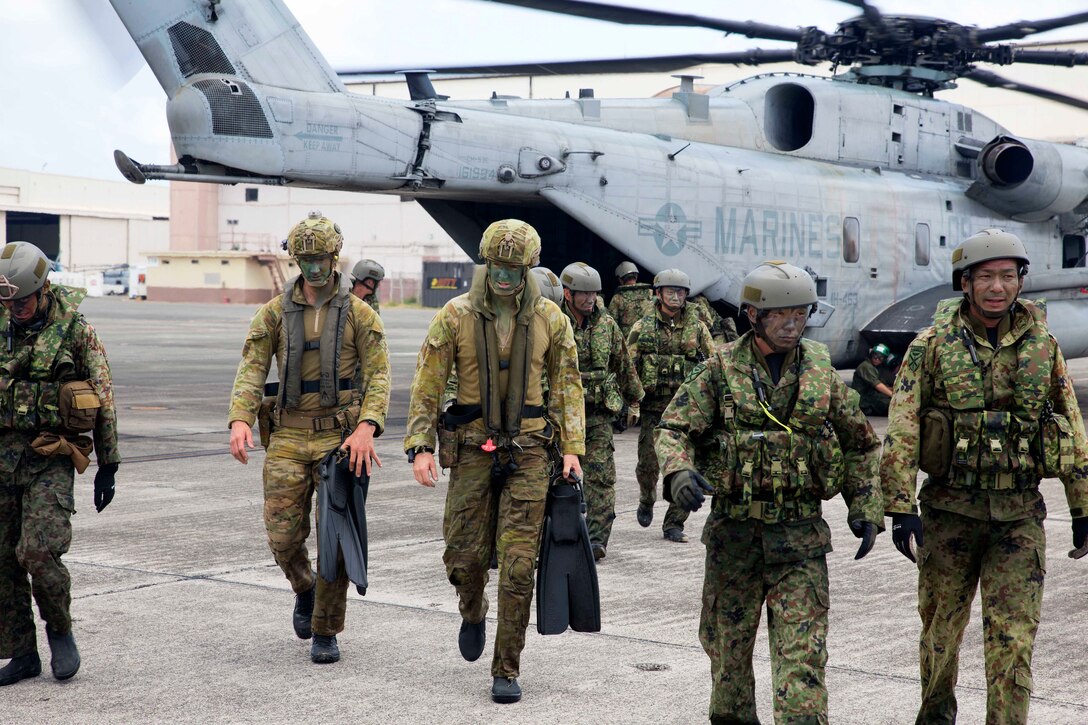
[[619, 423], [906, 527], [689, 489], [1080, 537], [867, 532], [103, 485]]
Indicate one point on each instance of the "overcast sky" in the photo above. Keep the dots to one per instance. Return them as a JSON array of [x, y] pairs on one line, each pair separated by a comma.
[[67, 98]]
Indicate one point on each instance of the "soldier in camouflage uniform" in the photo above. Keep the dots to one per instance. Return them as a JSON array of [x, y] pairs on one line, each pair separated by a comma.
[[984, 405], [366, 275], [54, 385], [320, 336], [868, 380], [632, 299], [722, 329], [501, 338], [665, 346], [768, 426], [610, 383]]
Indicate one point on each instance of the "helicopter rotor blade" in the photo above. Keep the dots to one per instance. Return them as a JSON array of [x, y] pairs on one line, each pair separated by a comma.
[[871, 14], [988, 78], [640, 16], [650, 64], [1024, 28], [1067, 58]]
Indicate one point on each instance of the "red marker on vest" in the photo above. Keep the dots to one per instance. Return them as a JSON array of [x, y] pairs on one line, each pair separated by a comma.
[[489, 446]]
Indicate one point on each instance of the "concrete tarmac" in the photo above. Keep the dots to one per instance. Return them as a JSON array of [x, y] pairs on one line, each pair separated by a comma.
[[181, 615]]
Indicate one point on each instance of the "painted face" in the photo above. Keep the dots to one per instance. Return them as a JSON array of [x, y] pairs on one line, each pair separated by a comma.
[[505, 279], [629, 279], [23, 310], [316, 269], [672, 297], [584, 302], [781, 328], [993, 287]]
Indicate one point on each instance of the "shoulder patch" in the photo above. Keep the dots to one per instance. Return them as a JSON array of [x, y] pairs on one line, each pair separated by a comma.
[[914, 357]]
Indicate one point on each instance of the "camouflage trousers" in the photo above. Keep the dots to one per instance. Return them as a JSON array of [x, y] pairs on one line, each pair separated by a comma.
[[647, 472], [474, 520], [36, 507], [1008, 560], [738, 581], [291, 475], [599, 469]]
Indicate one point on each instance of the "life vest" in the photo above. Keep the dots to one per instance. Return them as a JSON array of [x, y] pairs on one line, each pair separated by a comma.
[[292, 386], [664, 363]]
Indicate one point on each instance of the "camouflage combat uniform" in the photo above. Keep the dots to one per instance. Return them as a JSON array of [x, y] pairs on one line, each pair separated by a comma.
[[630, 303], [36, 492], [309, 420], [664, 350], [866, 377], [372, 300], [609, 382], [474, 520], [722, 329], [982, 516], [765, 537]]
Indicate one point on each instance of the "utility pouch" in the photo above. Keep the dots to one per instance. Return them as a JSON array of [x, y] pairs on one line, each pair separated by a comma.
[[648, 373], [1055, 446], [6, 384], [79, 405], [828, 465], [613, 401], [935, 442], [716, 459], [265, 415], [449, 443], [994, 446], [24, 405]]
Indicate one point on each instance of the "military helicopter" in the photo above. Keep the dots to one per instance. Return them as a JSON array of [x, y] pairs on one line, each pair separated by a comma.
[[865, 178]]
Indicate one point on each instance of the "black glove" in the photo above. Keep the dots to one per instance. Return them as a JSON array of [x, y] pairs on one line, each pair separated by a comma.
[[689, 489], [905, 526], [103, 485], [1080, 537], [867, 532], [619, 423]]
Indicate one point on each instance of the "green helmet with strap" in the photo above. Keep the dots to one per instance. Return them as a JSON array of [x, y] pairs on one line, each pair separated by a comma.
[[24, 270], [987, 245], [626, 269], [880, 349], [773, 285], [367, 269], [511, 241], [314, 235], [549, 284], [580, 277], [672, 278]]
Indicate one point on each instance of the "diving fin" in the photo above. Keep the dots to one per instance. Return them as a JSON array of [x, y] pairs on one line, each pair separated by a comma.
[[567, 593], [341, 520]]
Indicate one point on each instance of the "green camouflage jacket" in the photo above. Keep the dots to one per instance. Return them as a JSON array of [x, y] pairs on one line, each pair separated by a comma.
[[703, 427], [722, 329], [609, 379], [266, 340], [937, 360], [630, 303], [82, 358], [664, 350]]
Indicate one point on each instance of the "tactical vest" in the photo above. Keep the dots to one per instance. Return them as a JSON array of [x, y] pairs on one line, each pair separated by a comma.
[[662, 363], [292, 327], [30, 385], [997, 449], [770, 469], [599, 386]]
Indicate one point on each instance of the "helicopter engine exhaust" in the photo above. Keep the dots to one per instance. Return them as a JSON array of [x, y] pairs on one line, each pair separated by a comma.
[[1030, 180]]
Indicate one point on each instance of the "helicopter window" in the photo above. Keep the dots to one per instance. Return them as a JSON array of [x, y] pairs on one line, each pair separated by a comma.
[[897, 109], [787, 116], [851, 239], [921, 244], [1073, 251], [897, 137], [943, 241]]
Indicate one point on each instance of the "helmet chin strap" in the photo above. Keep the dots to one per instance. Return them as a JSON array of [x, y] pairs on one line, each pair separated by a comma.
[[988, 314]]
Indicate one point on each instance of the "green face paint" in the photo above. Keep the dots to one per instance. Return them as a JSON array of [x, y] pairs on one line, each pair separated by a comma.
[[315, 269], [505, 279]]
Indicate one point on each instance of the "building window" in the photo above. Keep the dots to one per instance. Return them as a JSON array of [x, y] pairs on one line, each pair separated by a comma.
[[851, 239], [921, 245], [251, 194]]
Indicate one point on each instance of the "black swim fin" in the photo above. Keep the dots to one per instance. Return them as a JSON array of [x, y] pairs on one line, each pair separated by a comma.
[[341, 521], [567, 593]]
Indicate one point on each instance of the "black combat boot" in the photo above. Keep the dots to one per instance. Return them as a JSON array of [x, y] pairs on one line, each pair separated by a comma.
[[20, 668], [505, 690], [304, 612], [471, 639], [676, 535], [65, 662], [645, 515], [598, 551], [324, 650]]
